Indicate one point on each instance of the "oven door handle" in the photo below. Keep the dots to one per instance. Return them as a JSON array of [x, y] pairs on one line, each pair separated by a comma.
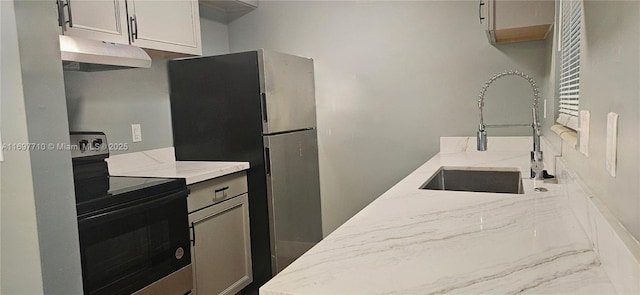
[[193, 230], [106, 216]]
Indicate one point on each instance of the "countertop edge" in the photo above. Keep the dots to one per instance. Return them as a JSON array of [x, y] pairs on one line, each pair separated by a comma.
[[303, 274], [191, 171]]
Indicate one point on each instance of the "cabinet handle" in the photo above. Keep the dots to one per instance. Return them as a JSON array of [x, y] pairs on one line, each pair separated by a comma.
[[70, 21], [193, 234], [134, 27], [221, 189], [480, 11], [267, 161], [61, 20], [264, 106]]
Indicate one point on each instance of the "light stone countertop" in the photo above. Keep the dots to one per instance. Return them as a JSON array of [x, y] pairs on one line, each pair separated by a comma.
[[162, 163], [412, 241]]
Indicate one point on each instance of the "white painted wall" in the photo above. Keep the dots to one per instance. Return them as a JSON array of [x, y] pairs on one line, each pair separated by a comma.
[[111, 101], [20, 271], [34, 179], [391, 78], [609, 82], [213, 27]]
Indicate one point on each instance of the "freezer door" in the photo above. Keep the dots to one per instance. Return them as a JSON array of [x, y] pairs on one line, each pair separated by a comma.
[[294, 195], [288, 92]]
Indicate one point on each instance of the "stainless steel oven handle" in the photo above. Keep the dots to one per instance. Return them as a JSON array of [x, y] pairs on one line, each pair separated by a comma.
[[193, 231], [109, 215]]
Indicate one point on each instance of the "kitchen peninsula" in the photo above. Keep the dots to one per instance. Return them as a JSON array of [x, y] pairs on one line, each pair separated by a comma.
[[414, 241]]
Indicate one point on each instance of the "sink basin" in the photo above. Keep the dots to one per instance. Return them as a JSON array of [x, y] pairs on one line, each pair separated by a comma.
[[474, 179]]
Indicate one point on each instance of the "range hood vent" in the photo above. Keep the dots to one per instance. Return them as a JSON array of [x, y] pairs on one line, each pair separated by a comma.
[[89, 55]]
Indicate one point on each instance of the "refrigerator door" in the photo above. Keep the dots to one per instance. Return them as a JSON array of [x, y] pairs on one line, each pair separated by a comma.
[[293, 191], [287, 92], [215, 114]]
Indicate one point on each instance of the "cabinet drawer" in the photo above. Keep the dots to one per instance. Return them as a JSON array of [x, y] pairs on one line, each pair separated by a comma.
[[212, 191]]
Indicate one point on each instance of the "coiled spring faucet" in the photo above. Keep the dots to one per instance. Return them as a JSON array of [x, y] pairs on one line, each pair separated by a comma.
[[536, 153]]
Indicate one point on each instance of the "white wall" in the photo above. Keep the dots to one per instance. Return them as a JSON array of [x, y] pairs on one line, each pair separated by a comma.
[[111, 101], [213, 27], [391, 78], [20, 270], [35, 177], [609, 82]]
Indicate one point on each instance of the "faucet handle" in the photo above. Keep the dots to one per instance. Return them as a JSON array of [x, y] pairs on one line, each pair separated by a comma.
[[482, 139], [537, 164]]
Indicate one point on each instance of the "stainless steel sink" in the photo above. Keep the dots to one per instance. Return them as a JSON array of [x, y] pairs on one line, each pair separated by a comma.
[[474, 179]]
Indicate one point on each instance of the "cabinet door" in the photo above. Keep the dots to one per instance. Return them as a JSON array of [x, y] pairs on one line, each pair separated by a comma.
[[170, 25], [102, 20], [486, 12], [221, 253], [288, 89], [514, 21]]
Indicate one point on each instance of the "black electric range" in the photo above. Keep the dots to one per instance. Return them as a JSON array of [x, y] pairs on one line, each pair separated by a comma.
[[95, 189], [133, 231]]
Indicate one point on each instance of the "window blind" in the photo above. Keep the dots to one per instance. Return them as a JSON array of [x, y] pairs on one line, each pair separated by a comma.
[[569, 43]]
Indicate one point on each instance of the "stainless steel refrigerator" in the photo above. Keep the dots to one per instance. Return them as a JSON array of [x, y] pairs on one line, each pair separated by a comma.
[[256, 106]]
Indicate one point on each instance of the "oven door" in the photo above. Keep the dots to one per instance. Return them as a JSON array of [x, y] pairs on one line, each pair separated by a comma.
[[126, 248]]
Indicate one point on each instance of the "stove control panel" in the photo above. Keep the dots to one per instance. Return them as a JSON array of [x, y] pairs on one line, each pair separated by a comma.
[[86, 144]]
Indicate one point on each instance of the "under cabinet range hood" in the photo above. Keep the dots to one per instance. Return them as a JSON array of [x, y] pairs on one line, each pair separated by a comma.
[[79, 54]]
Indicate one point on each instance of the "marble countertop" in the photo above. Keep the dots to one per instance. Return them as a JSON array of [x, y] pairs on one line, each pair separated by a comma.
[[413, 241], [161, 163]]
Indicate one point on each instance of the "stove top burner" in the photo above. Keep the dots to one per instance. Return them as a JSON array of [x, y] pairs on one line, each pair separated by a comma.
[[126, 190], [95, 189]]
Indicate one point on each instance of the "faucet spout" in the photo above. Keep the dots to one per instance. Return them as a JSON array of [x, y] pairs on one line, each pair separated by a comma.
[[536, 154]]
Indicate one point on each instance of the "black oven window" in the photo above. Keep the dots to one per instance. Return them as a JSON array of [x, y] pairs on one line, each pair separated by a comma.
[[130, 253], [126, 248]]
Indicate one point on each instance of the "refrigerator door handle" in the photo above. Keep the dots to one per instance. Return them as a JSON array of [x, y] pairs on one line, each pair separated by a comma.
[[264, 107], [267, 161]]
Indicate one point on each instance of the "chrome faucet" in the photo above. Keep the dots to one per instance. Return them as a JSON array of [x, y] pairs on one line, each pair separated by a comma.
[[536, 155]]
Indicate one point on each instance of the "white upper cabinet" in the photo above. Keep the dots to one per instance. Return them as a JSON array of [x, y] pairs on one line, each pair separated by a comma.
[[508, 21], [172, 26], [102, 20], [166, 28]]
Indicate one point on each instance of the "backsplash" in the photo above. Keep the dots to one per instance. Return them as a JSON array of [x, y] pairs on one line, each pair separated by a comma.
[[619, 252], [124, 162], [113, 100]]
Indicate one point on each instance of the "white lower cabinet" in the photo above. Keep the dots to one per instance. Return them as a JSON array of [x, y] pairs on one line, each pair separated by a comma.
[[221, 248]]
